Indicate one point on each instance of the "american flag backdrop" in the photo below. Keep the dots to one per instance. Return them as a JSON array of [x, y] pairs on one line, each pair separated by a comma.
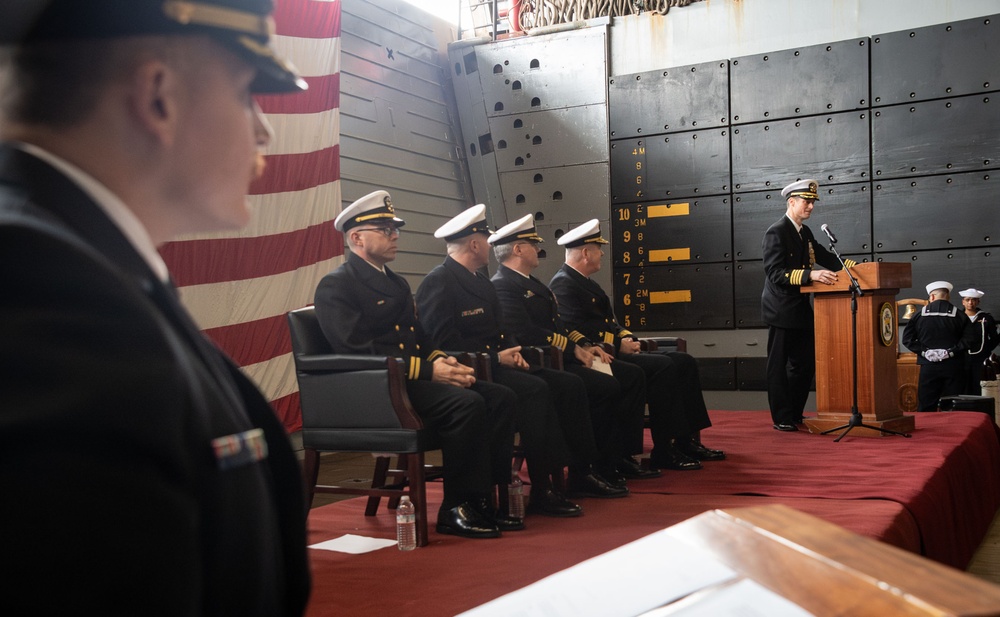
[[238, 286]]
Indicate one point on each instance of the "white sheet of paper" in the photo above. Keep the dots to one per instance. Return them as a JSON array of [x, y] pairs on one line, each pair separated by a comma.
[[746, 598], [614, 584], [601, 366], [355, 545]]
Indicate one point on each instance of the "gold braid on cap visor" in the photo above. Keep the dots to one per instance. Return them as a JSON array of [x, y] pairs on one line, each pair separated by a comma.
[[201, 14]]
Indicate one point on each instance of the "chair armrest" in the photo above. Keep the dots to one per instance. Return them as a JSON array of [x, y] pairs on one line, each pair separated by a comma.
[[340, 363], [546, 356], [479, 361], [676, 342]]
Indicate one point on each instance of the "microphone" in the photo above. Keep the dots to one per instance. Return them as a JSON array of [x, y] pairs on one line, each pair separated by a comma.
[[829, 234]]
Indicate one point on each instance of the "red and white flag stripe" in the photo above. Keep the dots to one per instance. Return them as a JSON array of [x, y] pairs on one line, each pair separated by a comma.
[[238, 286]]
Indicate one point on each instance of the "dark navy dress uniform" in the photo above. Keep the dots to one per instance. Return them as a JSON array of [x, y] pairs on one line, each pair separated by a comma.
[[939, 325], [363, 311], [789, 259], [617, 404], [676, 406], [462, 311], [985, 341]]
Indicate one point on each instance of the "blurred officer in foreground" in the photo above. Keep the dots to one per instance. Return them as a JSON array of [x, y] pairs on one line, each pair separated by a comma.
[[142, 472]]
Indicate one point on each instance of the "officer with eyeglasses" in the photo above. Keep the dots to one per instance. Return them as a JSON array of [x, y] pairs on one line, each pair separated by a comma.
[[365, 308]]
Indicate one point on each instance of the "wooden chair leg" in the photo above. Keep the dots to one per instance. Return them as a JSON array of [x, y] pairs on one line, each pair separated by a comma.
[[378, 481], [418, 493], [310, 473], [402, 464]]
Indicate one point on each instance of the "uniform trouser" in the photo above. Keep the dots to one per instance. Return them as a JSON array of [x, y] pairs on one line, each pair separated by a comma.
[[791, 364], [603, 396], [569, 396], [676, 406], [631, 411], [939, 379], [974, 373], [536, 420], [476, 429]]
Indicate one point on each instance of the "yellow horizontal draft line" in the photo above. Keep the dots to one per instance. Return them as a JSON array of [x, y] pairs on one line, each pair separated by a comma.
[[668, 210], [668, 297], [670, 255]]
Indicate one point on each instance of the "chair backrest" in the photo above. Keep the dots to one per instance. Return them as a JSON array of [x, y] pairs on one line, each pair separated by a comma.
[[307, 335]]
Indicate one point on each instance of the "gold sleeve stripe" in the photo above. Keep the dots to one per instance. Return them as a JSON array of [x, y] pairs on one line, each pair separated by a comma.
[[414, 368], [559, 341], [850, 263], [576, 337], [609, 338], [625, 333], [437, 353], [796, 278]]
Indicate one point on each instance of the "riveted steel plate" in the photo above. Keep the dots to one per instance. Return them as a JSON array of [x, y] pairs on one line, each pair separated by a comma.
[[944, 136], [692, 297], [944, 60], [717, 373], [571, 193], [474, 125], [670, 166], [818, 79], [540, 72], [963, 268], [936, 212], [846, 208], [664, 233], [834, 147], [669, 100], [748, 284], [565, 136]]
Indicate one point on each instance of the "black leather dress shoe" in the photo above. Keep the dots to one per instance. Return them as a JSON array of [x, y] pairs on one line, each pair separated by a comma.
[[610, 474], [592, 485], [697, 450], [502, 520], [465, 520], [551, 503], [630, 468], [788, 428], [672, 458]]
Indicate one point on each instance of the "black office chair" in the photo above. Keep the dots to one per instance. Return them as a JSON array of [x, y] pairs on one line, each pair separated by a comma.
[[355, 403]]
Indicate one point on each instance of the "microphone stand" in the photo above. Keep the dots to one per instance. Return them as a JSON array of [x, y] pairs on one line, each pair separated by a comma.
[[856, 418]]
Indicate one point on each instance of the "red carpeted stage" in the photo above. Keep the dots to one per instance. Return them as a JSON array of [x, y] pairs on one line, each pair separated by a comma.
[[934, 494]]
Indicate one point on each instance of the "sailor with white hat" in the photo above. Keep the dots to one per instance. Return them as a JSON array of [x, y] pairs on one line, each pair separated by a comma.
[[939, 335]]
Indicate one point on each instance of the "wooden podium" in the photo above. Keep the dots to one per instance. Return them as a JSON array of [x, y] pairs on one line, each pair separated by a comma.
[[878, 341]]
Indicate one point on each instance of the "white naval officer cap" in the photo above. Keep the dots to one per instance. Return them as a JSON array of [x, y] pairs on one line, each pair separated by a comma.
[[931, 287], [971, 292], [807, 189], [470, 221], [589, 232], [521, 229], [375, 207]]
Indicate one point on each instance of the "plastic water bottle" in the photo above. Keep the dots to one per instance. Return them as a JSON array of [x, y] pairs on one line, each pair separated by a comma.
[[406, 524], [515, 497]]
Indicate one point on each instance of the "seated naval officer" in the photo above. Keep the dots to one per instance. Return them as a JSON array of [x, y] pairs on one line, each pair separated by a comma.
[[986, 336], [617, 403], [364, 307], [459, 307], [677, 409], [940, 334]]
